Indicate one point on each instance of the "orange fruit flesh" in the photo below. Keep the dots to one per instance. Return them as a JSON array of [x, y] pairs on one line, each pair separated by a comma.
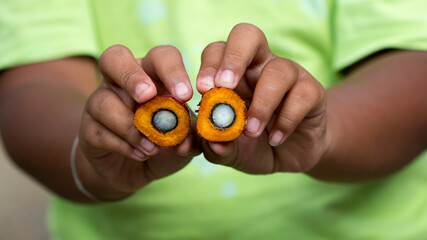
[[226, 98], [144, 120]]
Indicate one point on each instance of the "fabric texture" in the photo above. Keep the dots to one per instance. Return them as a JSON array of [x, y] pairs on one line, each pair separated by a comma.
[[363, 27], [34, 31], [207, 201]]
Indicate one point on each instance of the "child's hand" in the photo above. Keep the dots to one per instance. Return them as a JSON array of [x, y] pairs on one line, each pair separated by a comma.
[[115, 149], [286, 128]]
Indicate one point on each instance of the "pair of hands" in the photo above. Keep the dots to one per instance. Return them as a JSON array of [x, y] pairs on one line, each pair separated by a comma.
[[286, 129]]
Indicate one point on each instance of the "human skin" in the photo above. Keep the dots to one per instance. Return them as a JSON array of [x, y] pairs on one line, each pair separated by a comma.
[[367, 127]]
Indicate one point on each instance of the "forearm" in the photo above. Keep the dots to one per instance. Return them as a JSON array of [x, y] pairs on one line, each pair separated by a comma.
[[38, 137], [39, 120], [376, 118]]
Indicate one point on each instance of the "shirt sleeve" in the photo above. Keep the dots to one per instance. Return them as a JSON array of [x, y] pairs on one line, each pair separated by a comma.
[[363, 27], [40, 30]]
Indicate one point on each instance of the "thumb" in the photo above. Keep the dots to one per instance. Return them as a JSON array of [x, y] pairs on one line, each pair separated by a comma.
[[224, 153]]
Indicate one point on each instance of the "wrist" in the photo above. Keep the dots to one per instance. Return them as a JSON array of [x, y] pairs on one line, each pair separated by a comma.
[[92, 185]]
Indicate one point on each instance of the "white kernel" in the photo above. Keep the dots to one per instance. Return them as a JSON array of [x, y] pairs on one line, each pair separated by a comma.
[[165, 120], [223, 115]]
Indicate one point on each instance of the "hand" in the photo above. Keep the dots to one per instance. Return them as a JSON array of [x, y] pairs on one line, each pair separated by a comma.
[[286, 129], [113, 147]]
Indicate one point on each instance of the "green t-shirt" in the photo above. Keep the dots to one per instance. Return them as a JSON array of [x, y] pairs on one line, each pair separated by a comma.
[[207, 201]]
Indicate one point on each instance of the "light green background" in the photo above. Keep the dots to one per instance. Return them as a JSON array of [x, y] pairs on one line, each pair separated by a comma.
[[206, 201]]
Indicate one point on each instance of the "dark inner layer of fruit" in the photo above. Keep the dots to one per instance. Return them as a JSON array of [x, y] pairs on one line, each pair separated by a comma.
[[164, 120], [222, 115]]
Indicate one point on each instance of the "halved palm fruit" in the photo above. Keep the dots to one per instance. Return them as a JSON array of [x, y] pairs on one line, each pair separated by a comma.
[[164, 120], [222, 115]]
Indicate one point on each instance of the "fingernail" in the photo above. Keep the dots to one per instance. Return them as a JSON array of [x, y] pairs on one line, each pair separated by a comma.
[[147, 144], [276, 138], [140, 89], [226, 79], [207, 82], [138, 153], [181, 90], [253, 125]]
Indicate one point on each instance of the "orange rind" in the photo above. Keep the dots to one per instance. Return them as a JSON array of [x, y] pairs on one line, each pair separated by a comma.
[[222, 115], [164, 120]]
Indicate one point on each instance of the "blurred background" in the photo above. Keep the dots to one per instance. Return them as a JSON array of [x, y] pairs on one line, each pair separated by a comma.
[[23, 203]]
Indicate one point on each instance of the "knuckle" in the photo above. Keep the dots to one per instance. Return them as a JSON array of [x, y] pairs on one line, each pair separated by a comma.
[[318, 91], [213, 47], [321, 94], [98, 104], [92, 102], [286, 122], [117, 48], [112, 51], [247, 27], [92, 134], [308, 90], [128, 77], [98, 137], [282, 67], [128, 129], [173, 75], [233, 56], [83, 133], [170, 69], [160, 51], [308, 93], [251, 30], [217, 44]]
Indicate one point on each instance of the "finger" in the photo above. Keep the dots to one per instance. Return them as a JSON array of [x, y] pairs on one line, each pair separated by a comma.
[[95, 135], [190, 147], [305, 100], [124, 96], [106, 107], [224, 153], [211, 59], [184, 148], [148, 147], [277, 77], [222, 149], [166, 64], [187, 148], [246, 45], [118, 66]]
